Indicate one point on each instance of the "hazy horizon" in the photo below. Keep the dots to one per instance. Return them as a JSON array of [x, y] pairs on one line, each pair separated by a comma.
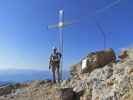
[[27, 75]]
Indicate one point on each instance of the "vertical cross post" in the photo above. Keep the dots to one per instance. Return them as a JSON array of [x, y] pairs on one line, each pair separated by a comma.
[[61, 23]]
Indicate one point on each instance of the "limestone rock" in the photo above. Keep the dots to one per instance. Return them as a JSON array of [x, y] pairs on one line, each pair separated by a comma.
[[123, 54], [79, 87], [126, 53], [130, 53], [4, 90], [113, 83], [75, 70]]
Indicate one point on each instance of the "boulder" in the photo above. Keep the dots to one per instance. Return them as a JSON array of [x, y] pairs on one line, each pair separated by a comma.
[[99, 59], [130, 53], [65, 94], [123, 54], [93, 61], [79, 87], [75, 70], [126, 53]]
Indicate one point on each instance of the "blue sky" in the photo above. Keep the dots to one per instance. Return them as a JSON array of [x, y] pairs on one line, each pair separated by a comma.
[[25, 42]]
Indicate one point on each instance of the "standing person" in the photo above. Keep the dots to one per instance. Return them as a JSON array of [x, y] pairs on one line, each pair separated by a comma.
[[54, 64]]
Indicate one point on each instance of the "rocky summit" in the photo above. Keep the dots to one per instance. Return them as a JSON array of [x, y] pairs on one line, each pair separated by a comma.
[[98, 76]]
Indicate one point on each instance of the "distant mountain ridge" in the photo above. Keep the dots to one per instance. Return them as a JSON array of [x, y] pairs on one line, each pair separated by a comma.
[[4, 83]]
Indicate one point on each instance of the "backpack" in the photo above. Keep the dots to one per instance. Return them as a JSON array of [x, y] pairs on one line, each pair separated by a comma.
[[55, 57]]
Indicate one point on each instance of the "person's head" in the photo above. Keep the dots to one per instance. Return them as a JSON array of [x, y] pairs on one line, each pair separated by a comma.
[[54, 49]]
